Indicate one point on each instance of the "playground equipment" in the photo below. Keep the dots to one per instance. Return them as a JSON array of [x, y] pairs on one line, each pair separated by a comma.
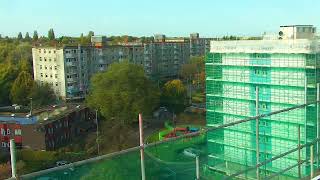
[[171, 132]]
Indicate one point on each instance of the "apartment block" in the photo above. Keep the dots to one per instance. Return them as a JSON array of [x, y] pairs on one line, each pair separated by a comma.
[[281, 73], [68, 69]]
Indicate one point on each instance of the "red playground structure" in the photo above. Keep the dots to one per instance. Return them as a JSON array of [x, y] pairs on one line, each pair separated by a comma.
[[178, 131]]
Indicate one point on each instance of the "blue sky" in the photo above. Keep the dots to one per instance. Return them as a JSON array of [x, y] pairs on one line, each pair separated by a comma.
[[147, 17]]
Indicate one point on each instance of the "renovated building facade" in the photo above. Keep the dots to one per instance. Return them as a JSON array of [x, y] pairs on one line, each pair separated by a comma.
[[281, 73]]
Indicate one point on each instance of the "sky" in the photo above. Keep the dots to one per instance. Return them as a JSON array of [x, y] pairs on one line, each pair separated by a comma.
[[210, 18]]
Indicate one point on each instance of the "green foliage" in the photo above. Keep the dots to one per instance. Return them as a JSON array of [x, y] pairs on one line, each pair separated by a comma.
[[27, 37], [51, 35], [42, 95], [8, 74], [90, 34], [20, 36], [122, 92], [174, 96], [21, 88], [35, 36]]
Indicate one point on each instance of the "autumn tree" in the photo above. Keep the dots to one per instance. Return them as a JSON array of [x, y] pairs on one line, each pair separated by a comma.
[[174, 96]]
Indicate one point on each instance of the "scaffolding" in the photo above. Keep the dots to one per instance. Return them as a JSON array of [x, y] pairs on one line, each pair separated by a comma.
[[244, 84]]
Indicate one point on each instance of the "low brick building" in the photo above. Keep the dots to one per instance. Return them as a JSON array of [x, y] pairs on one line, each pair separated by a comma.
[[49, 130]]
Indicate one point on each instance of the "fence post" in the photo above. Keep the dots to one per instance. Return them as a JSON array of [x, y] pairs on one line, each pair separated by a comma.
[[299, 153], [257, 132], [143, 173], [311, 161], [13, 158], [197, 168]]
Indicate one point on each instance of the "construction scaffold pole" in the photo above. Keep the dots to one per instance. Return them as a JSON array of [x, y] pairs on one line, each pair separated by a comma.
[[257, 132], [197, 168], [318, 118], [299, 153], [143, 174]]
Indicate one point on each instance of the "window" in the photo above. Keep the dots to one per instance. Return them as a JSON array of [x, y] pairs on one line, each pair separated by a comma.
[[3, 144], [54, 59], [39, 50], [56, 84], [41, 74], [3, 132], [8, 131], [50, 59], [54, 51], [40, 59], [17, 132], [50, 67], [40, 66], [56, 75], [46, 75], [51, 75], [55, 67], [45, 67], [45, 59], [44, 51]]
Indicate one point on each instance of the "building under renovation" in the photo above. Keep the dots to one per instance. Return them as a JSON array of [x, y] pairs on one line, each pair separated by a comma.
[[251, 77]]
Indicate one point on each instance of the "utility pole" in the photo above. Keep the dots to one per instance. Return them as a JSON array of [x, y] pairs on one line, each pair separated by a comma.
[[97, 132]]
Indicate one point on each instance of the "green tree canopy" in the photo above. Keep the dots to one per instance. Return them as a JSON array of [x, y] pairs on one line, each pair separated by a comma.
[[51, 35], [20, 36], [21, 88], [42, 95], [90, 34], [8, 73], [27, 37], [35, 36], [174, 96], [122, 92]]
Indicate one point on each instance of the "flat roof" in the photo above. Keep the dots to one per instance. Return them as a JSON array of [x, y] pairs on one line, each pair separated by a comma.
[[297, 25]]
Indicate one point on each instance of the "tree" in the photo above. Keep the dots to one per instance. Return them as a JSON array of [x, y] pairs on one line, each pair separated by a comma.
[[27, 37], [21, 88], [174, 96], [122, 92], [35, 36], [51, 35], [42, 95], [82, 39], [90, 34], [20, 36], [8, 74]]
